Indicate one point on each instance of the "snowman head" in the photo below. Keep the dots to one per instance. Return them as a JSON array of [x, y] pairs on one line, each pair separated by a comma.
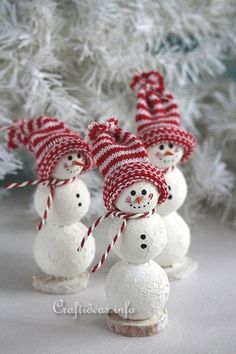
[[165, 154], [69, 166], [140, 197]]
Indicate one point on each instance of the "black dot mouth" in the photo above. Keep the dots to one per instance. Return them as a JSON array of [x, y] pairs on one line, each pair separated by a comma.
[[140, 206]]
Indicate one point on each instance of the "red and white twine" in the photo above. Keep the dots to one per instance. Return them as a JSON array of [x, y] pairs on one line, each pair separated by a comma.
[[52, 183], [114, 213], [167, 170]]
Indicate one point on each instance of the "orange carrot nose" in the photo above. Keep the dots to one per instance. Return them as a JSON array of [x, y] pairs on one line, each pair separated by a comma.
[[138, 199], [168, 153], [77, 163]]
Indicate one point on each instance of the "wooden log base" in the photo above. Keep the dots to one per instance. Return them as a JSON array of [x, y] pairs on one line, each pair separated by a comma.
[[139, 328], [181, 270], [60, 285]]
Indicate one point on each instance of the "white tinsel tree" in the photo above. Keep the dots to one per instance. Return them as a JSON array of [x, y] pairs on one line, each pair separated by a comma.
[[75, 59]]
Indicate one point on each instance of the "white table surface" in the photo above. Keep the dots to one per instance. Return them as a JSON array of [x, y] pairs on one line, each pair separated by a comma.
[[202, 308]]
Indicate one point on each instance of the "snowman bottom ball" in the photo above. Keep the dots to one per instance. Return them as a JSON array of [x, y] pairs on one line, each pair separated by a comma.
[[55, 250], [178, 240], [137, 291]]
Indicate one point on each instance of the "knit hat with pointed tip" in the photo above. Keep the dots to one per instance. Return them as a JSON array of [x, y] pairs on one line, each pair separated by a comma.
[[158, 116], [49, 139], [122, 161]]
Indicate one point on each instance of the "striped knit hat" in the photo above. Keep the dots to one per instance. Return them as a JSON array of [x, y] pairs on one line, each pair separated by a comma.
[[158, 116], [49, 139], [122, 161]]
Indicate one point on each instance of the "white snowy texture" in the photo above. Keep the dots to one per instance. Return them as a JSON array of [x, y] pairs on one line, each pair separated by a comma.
[[178, 235], [143, 288], [75, 59], [142, 240], [55, 250], [69, 166], [165, 155], [140, 197], [70, 203], [177, 192]]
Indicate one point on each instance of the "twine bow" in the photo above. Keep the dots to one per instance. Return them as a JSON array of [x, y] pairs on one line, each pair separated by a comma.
[[114, 213]]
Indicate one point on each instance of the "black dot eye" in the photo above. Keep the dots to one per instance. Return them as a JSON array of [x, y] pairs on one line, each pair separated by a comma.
[[171, 145], [80, 204], [69, 157], [77, 195], [170, 196], [132, 192], [169, 187], [79, 156], [161, 147], [143, 245], [143, 237], [144, 192]]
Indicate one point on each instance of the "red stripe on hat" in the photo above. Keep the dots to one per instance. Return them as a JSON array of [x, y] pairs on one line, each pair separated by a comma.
[[122, 159]]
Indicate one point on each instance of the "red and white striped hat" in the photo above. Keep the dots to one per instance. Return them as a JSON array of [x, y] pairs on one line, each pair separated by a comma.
[[158, 116], [49, 139], [122, 161]]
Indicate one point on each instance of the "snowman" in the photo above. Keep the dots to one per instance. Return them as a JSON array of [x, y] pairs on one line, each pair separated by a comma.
[[158, 126], [61, 199], [137, 288]]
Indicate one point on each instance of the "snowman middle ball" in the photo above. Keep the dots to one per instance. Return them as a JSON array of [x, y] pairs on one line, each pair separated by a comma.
[[70, 202], [144, 238], [177, 192]]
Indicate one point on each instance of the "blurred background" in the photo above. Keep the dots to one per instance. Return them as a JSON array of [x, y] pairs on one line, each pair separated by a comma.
[[75, 59]]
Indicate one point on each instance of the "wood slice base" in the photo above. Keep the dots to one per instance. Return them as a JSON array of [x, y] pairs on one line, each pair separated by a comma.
[[139, 328], [181, 270], [60, 285]]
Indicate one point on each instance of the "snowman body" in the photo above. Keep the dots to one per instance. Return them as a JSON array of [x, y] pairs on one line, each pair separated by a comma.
[[177, 187], [137, 283], [178, 243], [166, 156], [178, 233], [56, 243]]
